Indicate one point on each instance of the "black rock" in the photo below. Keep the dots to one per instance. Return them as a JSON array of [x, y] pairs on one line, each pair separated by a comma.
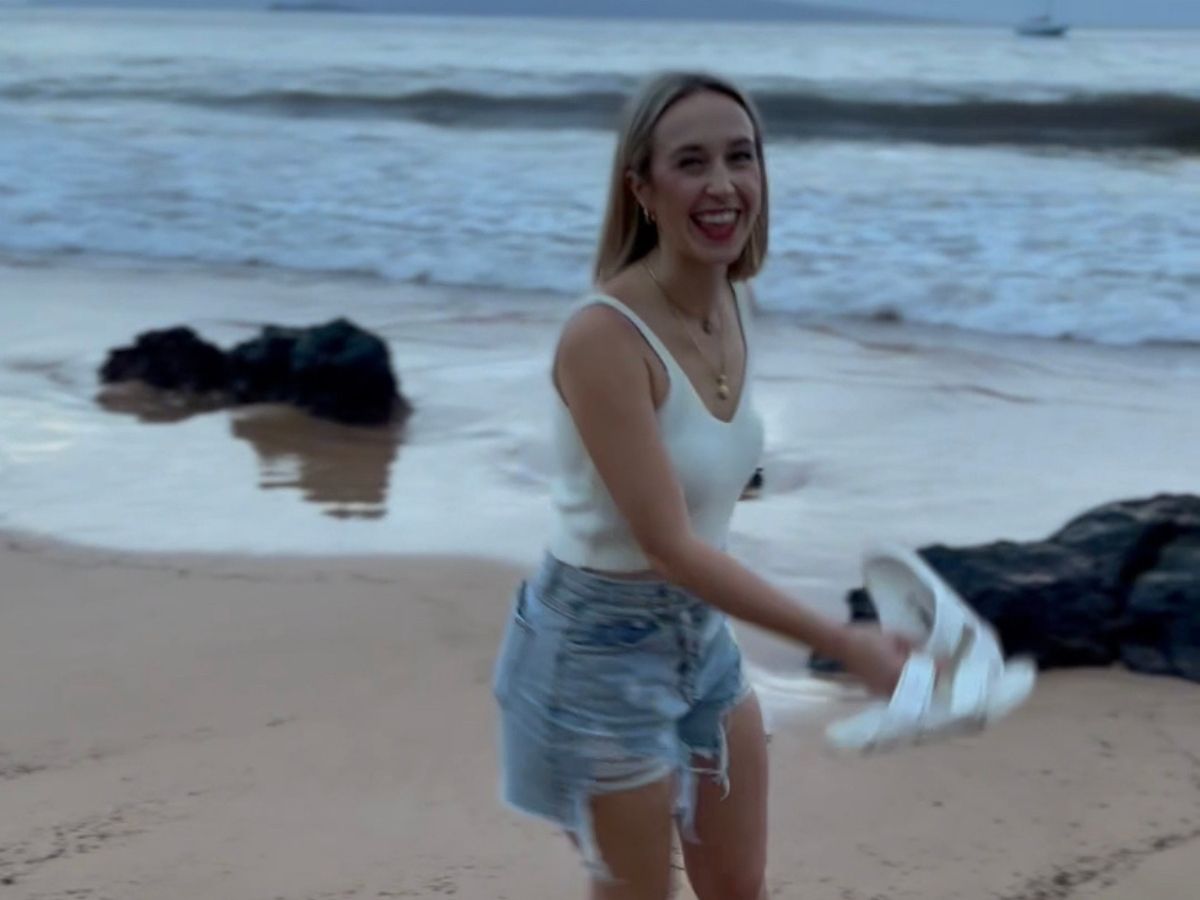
[[343, 373], [1118, 583], [1160, 629], [1055, 603], [260, 370], [334, 371], [173, 359]]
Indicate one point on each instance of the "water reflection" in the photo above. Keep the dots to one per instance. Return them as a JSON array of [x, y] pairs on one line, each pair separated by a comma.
[[152, 406], [343, 469]]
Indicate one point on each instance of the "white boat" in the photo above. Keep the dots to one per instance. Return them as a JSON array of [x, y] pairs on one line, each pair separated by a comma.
[[1045, 25]]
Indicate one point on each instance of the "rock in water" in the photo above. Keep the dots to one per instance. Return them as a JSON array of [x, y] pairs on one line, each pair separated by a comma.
[[343, 373], [173, 359], [334, 371], [260, 369]]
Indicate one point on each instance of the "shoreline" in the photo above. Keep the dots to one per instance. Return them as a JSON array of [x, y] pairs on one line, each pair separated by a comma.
[[876, 433], [862, 413], [422, 294]]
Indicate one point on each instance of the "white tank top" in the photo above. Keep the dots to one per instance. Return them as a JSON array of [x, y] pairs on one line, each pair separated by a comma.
[[712, 459]]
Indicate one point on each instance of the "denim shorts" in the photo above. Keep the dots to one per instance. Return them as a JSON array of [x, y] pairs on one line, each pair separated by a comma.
[[607, 685]]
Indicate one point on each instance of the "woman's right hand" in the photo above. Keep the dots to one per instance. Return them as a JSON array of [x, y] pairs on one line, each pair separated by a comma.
[[874, 657]]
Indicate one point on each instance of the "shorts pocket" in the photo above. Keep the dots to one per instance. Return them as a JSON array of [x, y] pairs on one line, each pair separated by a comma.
[[514, 647], [615, 635]]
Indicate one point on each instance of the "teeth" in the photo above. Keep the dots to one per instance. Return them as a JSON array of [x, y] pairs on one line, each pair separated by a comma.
[[727, 217]]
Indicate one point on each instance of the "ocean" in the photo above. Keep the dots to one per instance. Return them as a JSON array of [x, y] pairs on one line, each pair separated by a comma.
[[944, 176]]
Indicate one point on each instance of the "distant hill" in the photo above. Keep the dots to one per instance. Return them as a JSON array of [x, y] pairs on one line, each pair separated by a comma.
[[708, 10], [702, 10]]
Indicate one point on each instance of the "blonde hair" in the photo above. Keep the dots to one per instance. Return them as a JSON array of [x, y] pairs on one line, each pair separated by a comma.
[[626, 236]]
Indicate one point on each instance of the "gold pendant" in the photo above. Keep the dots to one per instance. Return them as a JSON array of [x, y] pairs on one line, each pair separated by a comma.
[[722, 388]]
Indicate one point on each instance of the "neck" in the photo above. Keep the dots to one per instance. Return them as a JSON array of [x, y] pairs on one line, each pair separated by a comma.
[[694, 288]]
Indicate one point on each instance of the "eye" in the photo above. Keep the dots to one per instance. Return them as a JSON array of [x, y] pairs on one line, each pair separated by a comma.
[[741, 157], [690, 163]]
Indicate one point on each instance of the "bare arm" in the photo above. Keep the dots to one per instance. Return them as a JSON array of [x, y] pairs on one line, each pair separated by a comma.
[[602, 375]]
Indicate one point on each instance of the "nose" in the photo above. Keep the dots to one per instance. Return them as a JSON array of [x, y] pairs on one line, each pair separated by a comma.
[[720, 184]]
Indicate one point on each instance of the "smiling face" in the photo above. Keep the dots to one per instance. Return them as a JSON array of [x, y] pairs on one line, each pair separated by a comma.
[[704, 186]]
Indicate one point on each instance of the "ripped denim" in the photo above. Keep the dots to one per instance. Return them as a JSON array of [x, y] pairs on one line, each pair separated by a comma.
[[608, 685]]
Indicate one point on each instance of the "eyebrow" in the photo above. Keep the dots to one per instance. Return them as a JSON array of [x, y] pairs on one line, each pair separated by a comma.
[[736, 143]]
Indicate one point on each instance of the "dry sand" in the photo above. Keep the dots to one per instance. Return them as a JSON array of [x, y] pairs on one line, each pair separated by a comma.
[[219, 728]]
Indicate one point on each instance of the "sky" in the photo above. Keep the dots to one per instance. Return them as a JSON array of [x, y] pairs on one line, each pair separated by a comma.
[[1127, 13]]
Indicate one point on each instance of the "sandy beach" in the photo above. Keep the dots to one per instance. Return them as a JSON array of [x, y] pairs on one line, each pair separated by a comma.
[[265, 675], [198, 727], [246, 654]]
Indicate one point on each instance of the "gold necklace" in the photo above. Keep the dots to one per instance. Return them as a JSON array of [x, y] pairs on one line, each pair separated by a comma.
[[718, 372]]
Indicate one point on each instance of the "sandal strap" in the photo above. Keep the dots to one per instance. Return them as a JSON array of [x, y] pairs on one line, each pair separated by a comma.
[[914, 692]]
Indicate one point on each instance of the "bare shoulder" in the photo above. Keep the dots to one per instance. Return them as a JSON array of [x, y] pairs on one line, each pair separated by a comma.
[[600, 357], [597, 332], [600, 332]]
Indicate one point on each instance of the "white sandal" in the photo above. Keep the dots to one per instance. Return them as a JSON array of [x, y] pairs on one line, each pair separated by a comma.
[[975, 685]]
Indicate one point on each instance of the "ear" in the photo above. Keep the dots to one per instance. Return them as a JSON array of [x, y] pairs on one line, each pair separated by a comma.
[[643, 192]]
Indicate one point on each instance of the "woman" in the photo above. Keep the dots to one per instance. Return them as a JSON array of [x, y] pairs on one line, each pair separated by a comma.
[[623, 703]]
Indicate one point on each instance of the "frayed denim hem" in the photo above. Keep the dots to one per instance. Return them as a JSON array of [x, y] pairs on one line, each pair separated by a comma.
[[578, 821]]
